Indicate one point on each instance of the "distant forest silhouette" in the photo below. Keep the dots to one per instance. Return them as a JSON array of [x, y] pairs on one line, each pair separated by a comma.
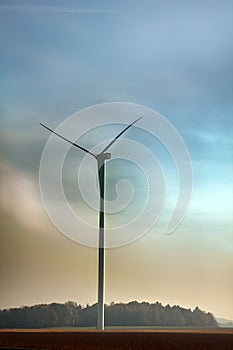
[[134, 313]]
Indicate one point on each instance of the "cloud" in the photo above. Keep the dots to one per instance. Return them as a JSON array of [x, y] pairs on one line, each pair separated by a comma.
[[210, 136], [52, 9], [19, 196]]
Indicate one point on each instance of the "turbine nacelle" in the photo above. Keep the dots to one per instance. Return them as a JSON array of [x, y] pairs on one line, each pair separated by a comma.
[[101, 157]]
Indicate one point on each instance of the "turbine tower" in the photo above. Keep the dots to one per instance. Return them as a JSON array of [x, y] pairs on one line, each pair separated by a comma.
[[101, 159]]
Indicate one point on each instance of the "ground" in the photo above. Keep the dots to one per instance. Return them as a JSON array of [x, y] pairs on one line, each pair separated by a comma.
[[217, 339]]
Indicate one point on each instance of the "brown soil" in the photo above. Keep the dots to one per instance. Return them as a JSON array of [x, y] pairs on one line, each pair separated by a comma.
[[118, 339]]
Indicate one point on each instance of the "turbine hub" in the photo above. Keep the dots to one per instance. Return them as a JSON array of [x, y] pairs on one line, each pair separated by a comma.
[[103, 156]]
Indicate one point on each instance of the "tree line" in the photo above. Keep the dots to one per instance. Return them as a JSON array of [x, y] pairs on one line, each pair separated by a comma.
[[70, 314]]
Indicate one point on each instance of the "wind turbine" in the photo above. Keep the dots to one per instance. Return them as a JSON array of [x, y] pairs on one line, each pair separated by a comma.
[[100, 158]]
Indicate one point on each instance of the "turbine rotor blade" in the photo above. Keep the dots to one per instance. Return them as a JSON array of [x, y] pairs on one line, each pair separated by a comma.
[[64, 138], [122, 132]]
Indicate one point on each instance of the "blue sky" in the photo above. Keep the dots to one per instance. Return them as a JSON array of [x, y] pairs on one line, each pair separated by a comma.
[[173, 56]]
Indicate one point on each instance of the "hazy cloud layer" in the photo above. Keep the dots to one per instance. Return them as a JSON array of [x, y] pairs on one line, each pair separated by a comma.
[[19, 196]]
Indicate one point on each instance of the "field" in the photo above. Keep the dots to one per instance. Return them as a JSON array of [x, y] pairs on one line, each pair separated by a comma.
[[118, 339]]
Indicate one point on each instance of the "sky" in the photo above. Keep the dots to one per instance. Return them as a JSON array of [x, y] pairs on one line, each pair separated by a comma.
[[175, 57]]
